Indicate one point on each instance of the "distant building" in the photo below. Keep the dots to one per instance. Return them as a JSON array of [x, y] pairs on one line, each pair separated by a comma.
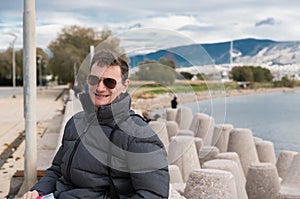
[[225, 76]]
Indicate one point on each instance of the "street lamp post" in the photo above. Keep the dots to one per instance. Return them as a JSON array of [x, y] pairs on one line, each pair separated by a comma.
[[29, 75], [13, 59], [40, 59]]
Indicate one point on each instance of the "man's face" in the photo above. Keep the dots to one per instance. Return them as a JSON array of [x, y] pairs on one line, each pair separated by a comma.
[[100, 93]]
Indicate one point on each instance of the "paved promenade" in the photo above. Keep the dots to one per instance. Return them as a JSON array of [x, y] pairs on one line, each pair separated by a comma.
[[12, 124]]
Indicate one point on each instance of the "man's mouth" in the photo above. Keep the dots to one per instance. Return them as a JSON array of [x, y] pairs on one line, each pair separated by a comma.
[[101, 95]]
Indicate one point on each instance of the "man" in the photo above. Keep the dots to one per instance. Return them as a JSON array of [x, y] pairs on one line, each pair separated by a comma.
[[174, 102], [107, 151]]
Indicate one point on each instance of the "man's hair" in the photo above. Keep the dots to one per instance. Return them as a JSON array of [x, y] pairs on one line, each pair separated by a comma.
[[107, 58]]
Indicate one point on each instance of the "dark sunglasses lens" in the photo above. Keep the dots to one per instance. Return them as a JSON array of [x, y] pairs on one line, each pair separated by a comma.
[[93, 80], [110, 83]]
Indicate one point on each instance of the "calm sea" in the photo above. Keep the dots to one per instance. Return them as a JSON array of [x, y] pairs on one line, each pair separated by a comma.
[[274, 117]]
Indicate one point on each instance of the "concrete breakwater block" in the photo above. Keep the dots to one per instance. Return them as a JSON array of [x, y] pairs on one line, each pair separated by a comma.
[[288, 193], [232, 167], [179, 187], [284, 161], [173, 194], [257, 139], [171, 114], [234, 157], [262, 181], [175, 174], [203, 126], [265, 151], [241, 142], [209, 184], [207, 153], [161, 130], [290, 185], [199, 144], [172, 128], [184, 117], [221, 136], [185, 132], [182, 152]]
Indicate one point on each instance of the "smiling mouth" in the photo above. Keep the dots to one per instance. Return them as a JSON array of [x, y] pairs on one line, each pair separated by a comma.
[[101, 95]]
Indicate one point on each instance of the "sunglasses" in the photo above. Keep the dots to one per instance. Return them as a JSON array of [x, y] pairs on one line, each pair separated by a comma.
[[108, 82]]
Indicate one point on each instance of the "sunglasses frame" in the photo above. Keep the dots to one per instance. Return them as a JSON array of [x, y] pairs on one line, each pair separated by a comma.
[[109, 83]]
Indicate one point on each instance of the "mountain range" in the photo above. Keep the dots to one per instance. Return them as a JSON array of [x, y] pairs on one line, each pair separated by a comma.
[[246, 51]]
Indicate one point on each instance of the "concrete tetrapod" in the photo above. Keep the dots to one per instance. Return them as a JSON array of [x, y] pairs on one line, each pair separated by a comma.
[[290, 186], [203, 126], [232, 167], [265, 151], [262, 181], [175, 174], [184, 117], [207, 153], [172, 128], [182, 152], [171, 114], [161, 130], [241, 142], [284, 161], [210, 184], [234, 157], [221, 136]]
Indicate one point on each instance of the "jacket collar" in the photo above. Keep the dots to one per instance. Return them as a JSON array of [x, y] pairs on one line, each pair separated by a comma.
[[116, 111]]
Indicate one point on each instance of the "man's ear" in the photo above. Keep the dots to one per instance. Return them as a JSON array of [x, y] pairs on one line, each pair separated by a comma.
[[125, 86]]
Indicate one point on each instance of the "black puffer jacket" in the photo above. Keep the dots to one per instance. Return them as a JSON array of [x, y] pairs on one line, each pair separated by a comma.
[[138, 158]]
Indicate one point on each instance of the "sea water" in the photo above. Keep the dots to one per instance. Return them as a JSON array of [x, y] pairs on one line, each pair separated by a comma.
[[273, 117]]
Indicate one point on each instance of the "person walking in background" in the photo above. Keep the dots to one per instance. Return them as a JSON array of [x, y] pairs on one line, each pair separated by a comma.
[[174, 102], [107, 150]]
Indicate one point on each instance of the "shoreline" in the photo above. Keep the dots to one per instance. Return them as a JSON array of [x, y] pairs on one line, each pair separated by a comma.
[[161, 101]]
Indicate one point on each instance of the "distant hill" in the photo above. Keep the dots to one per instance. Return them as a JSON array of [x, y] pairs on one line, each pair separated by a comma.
[[252, 51]]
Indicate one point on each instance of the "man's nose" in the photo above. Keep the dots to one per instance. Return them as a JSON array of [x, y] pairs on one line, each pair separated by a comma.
[[100, 85]]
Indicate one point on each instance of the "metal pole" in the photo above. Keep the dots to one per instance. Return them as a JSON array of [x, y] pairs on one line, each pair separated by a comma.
[[75, 72], [231, 51], [29, 64], [13, 60], [14, 65], [92, 51], [40, 69]]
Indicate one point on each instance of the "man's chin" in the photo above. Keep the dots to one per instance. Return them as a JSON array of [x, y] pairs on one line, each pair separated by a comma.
[[102, 100], [102, 103]]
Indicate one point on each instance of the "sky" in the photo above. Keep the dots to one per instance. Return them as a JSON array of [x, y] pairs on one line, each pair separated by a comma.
[[171, 22]]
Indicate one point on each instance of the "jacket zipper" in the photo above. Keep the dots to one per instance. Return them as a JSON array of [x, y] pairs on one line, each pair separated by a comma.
[[105, 195], [74, 151]]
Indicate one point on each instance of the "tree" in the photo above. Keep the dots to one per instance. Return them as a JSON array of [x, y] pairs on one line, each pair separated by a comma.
[[72, 47], [6, 67], [161, 72], [167, 62], [251, 73], [285, 81], [186, 75], [242, 74], [258, 74], [268, 75], [200, 76]]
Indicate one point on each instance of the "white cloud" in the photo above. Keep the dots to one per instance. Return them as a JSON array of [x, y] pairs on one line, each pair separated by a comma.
[[47, 33], [204, 22]]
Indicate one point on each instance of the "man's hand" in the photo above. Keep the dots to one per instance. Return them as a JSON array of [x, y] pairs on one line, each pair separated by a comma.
[[30, 195]]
